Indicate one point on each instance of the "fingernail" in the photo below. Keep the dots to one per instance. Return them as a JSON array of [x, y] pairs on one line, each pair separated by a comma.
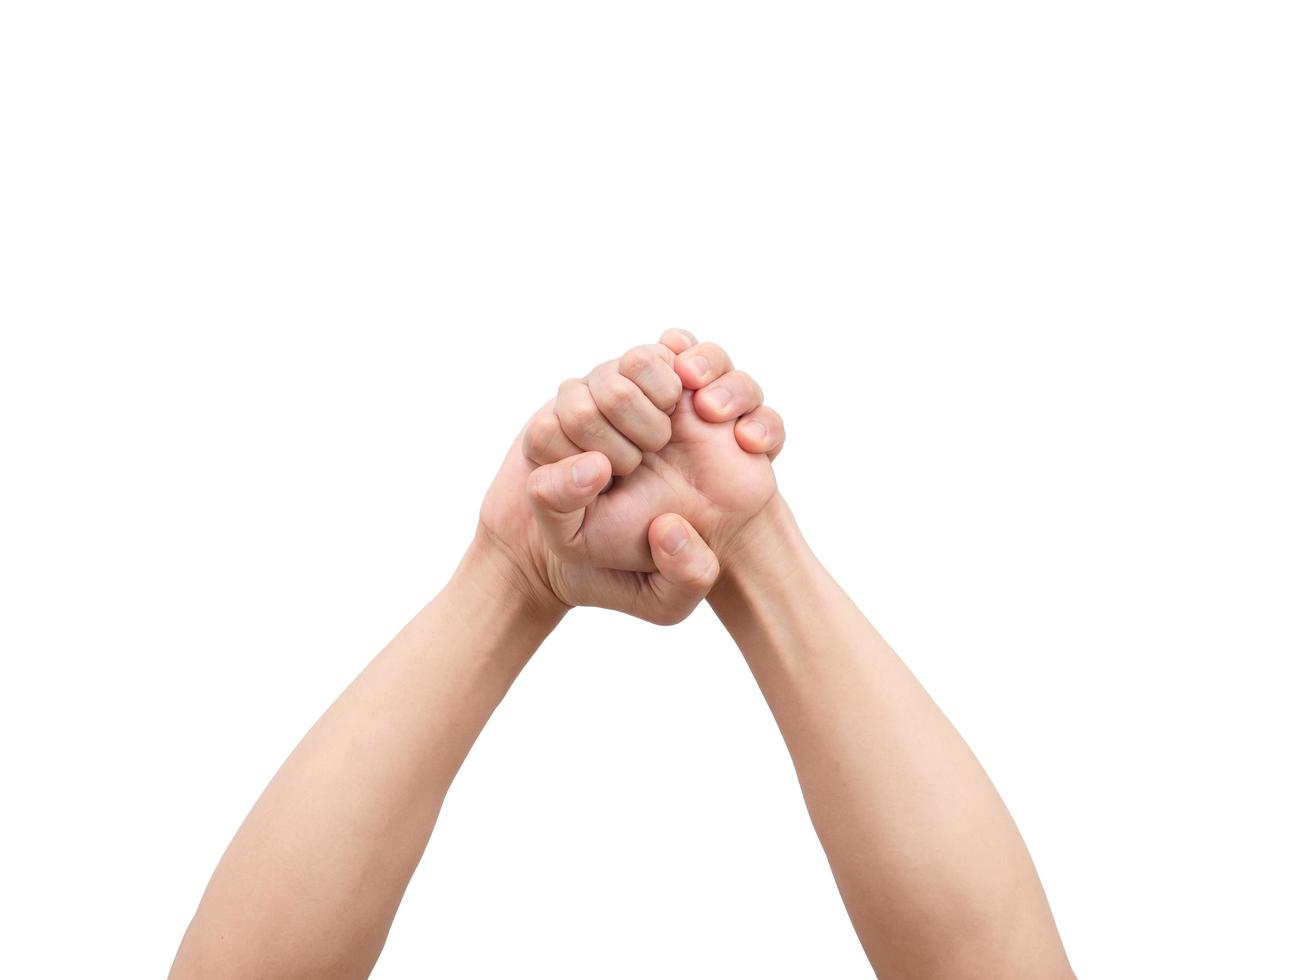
[[674, 538], [584, 472], [757, 431], [718, 398], [700, 364]]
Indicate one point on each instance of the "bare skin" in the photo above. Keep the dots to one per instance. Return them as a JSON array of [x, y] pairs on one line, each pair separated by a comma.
[[931, 866], [709, 476], [311, 882], [643, 487]]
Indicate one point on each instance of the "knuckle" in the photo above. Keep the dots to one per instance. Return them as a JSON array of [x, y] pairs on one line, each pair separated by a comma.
[[713, 352], [635, 362], [749, 385], [626, 461], [662, 432], [539, 433], [674, 389], [667, 388], [663, 429], [616, 392], [661, 387], [537, 488], [584, 418]]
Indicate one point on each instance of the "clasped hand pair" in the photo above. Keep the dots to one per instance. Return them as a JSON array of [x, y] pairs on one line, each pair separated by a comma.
[[630, 488]]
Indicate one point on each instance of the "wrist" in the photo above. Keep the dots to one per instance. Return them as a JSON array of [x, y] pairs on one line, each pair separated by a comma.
[[764, 552], [478, 632], [771, 585], [491, 572]]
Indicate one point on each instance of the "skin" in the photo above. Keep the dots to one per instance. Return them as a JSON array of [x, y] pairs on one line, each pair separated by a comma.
[[932, 869], [311, 882], [643, 487], [579, 545]]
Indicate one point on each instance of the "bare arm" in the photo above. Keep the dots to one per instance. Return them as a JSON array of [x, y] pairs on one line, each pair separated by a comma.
[[312, 880], [931, 867]]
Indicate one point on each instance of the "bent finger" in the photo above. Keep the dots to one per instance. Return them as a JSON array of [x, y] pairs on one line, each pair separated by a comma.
[[586, 426], [628, 409], [761, 431], [559, 494], [677, 340], [650, 367], [544, 440], [730, 396], [702, 364], [687, 570]]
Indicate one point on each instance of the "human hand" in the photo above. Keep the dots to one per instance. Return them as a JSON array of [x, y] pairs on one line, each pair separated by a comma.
[[687, 444]]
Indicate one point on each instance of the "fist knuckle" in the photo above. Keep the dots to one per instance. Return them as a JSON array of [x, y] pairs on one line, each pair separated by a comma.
[[635, 362], [585, 419], [616, 392], [539, 434]]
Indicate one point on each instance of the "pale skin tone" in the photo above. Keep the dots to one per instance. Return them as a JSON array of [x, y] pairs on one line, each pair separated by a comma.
[[931, 867]]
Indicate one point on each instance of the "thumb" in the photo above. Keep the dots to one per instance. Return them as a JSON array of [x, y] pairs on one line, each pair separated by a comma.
[[559, 494], [687, 570]]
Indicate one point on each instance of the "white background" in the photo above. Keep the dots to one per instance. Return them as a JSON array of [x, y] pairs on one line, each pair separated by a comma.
[[280, 281]]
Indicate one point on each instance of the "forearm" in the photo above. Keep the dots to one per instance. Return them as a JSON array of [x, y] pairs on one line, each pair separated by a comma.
[[931, 867], [311, 882]]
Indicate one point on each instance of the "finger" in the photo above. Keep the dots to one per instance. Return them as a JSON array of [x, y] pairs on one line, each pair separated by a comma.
[[544, 441], [701, 364], [687, 569], [628, 409], [730, 396], [559, 494], [586, 426], [677, 340], [761, 431], [650, 367]]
